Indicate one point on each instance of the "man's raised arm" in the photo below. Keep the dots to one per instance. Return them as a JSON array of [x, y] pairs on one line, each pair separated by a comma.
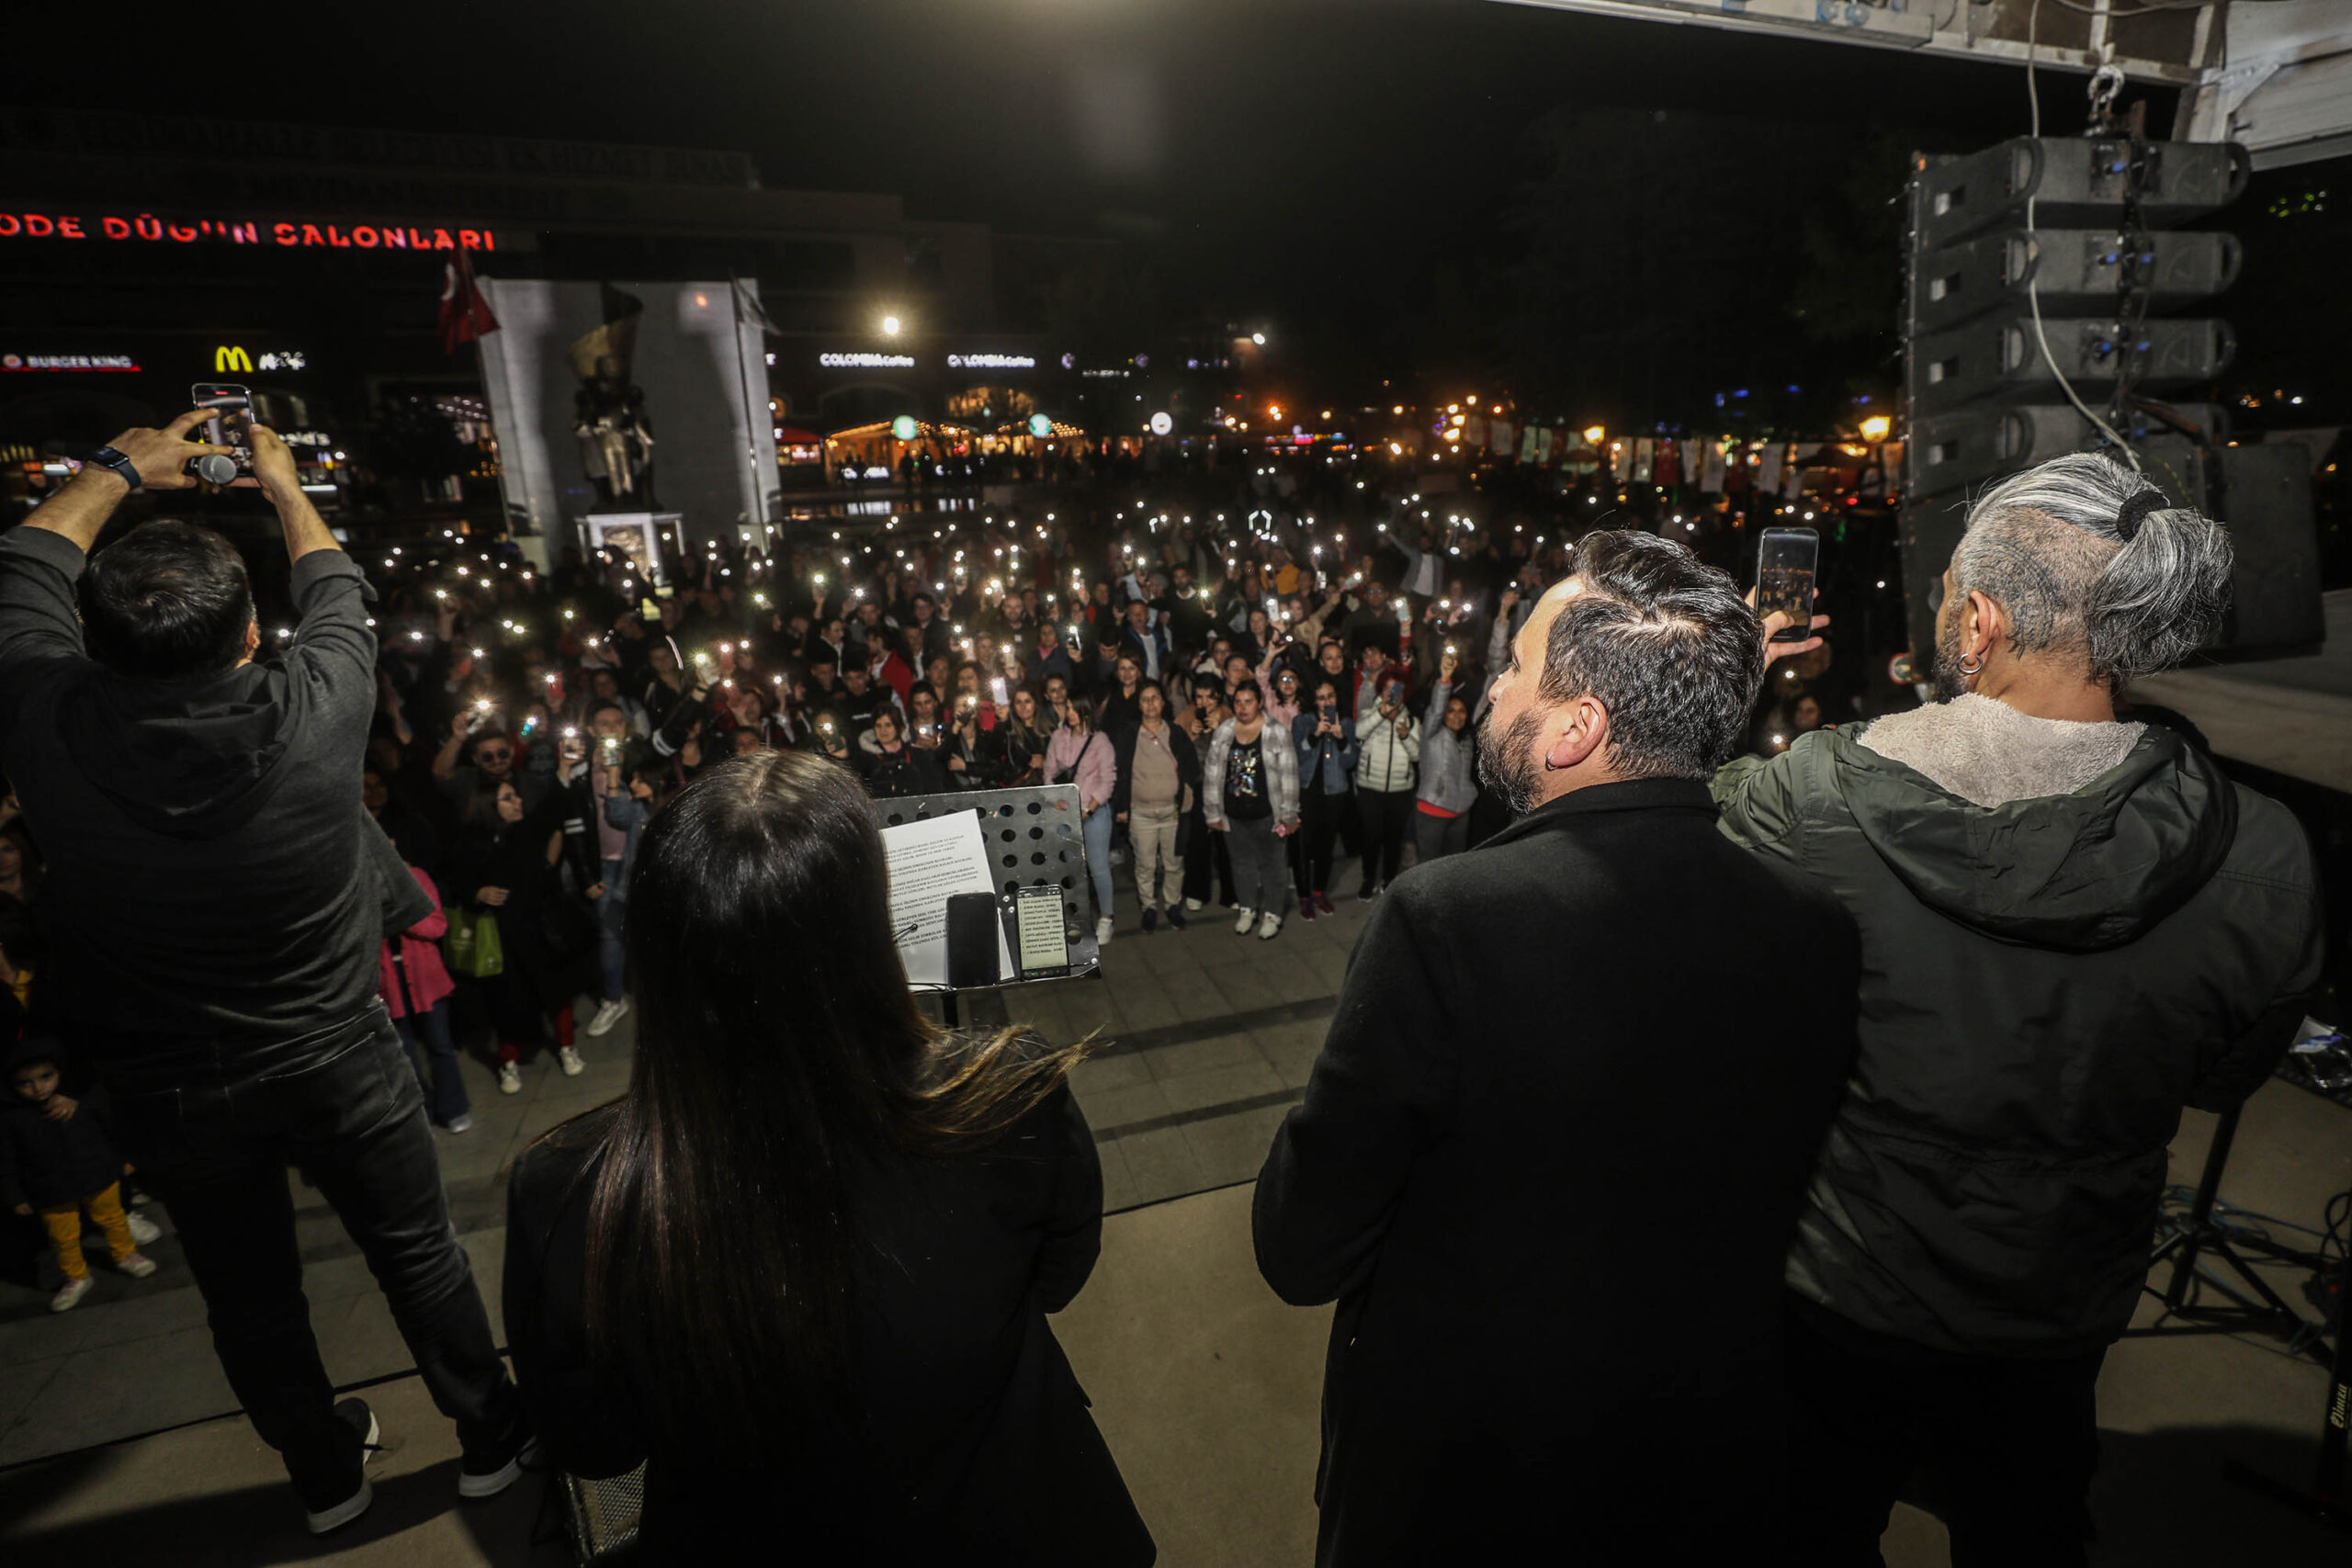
[[277, 478]]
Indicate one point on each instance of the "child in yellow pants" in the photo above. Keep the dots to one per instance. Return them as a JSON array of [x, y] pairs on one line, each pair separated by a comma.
[[57, 1165]]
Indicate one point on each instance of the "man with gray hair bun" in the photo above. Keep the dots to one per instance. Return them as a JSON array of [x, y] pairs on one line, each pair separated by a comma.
[[2073, 925]]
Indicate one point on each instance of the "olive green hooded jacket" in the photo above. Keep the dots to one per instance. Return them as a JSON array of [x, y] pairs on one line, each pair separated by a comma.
[[2045, 984]]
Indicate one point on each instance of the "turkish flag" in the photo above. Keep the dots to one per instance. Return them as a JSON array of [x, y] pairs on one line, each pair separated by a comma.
[[464, 314]]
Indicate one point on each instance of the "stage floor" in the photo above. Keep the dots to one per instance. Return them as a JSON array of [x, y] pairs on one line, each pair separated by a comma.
[[119, 1438]]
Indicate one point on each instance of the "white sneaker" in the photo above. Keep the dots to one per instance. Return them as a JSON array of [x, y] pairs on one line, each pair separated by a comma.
[[70, 1294], [1269, 926], [461, 1123], [1192, 905], [608, 1015], [1243, 920], [144, 1230], [510, 1078], [1103, 929], [138, 1266], [572, 1066]]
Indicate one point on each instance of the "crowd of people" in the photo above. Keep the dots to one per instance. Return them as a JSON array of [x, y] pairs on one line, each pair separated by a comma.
[[1240, 699], [808, 1258]]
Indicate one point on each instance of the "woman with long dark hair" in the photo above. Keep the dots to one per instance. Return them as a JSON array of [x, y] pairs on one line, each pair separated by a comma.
[[1081, 755], [800, 1270], [1027, 734]]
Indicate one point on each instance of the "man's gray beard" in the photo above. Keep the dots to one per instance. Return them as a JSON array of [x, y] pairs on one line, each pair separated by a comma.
[[1507, 765], [1950, 681]]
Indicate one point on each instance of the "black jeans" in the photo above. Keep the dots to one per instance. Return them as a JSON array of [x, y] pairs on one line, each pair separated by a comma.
[[213, 1129], [1321, 816], [1203, 851], [2005, 1447], [1386, 813]]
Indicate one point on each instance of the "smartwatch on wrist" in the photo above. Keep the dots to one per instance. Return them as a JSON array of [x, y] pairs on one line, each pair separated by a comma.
[[107, 457]]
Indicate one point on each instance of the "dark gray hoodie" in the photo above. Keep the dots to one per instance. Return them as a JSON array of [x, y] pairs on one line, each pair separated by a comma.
[[207, 875]]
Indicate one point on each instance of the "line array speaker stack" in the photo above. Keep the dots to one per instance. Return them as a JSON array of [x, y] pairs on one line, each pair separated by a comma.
[[2054, 256]]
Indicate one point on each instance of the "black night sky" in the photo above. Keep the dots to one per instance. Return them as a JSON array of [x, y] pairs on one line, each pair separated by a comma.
[[1382, 184]]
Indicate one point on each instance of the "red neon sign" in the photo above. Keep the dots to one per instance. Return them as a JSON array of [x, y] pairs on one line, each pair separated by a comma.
[[299, 235]]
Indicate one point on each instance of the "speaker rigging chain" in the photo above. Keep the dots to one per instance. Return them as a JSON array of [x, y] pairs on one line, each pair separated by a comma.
[[2131, 309]]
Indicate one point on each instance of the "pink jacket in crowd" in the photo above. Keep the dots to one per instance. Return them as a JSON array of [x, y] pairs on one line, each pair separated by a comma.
[[1098, 767], [428, 981]]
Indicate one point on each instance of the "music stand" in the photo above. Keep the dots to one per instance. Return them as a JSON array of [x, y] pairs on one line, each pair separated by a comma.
[[1036, 837]]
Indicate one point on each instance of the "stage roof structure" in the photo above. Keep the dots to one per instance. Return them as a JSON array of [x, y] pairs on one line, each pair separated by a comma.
[[2275, 75]]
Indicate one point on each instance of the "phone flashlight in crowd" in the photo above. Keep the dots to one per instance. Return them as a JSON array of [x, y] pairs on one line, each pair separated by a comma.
[[997, 691]]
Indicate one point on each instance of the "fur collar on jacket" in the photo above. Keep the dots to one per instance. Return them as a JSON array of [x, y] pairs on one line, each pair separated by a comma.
[[1989, 754]]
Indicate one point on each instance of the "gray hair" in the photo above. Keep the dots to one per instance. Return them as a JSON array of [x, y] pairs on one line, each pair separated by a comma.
[[1667, 643], [2043, 546]]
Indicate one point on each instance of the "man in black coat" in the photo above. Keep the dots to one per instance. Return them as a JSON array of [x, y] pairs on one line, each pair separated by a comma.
[[1552, 1152]]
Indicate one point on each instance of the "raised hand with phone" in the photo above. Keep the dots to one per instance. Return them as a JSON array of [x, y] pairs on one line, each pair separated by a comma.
[[1786, 564], [161, 459]]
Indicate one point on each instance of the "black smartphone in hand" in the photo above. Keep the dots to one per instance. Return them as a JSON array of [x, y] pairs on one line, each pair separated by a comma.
[[230, 426], [1786, 562]]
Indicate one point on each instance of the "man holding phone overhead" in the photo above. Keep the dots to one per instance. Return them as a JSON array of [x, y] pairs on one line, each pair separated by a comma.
[[220, 899], [2072, 924]]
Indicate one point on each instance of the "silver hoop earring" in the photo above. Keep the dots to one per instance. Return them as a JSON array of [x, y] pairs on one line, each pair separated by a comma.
[[1972, 664]]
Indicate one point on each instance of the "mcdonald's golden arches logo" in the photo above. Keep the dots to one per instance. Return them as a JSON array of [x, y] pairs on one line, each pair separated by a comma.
[[229, 357]]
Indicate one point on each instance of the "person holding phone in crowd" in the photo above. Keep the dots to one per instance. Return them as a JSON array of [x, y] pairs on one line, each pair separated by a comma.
[[1079, 754], [1388, 756], [1448, 762], [590, 770], [1325, 738]]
